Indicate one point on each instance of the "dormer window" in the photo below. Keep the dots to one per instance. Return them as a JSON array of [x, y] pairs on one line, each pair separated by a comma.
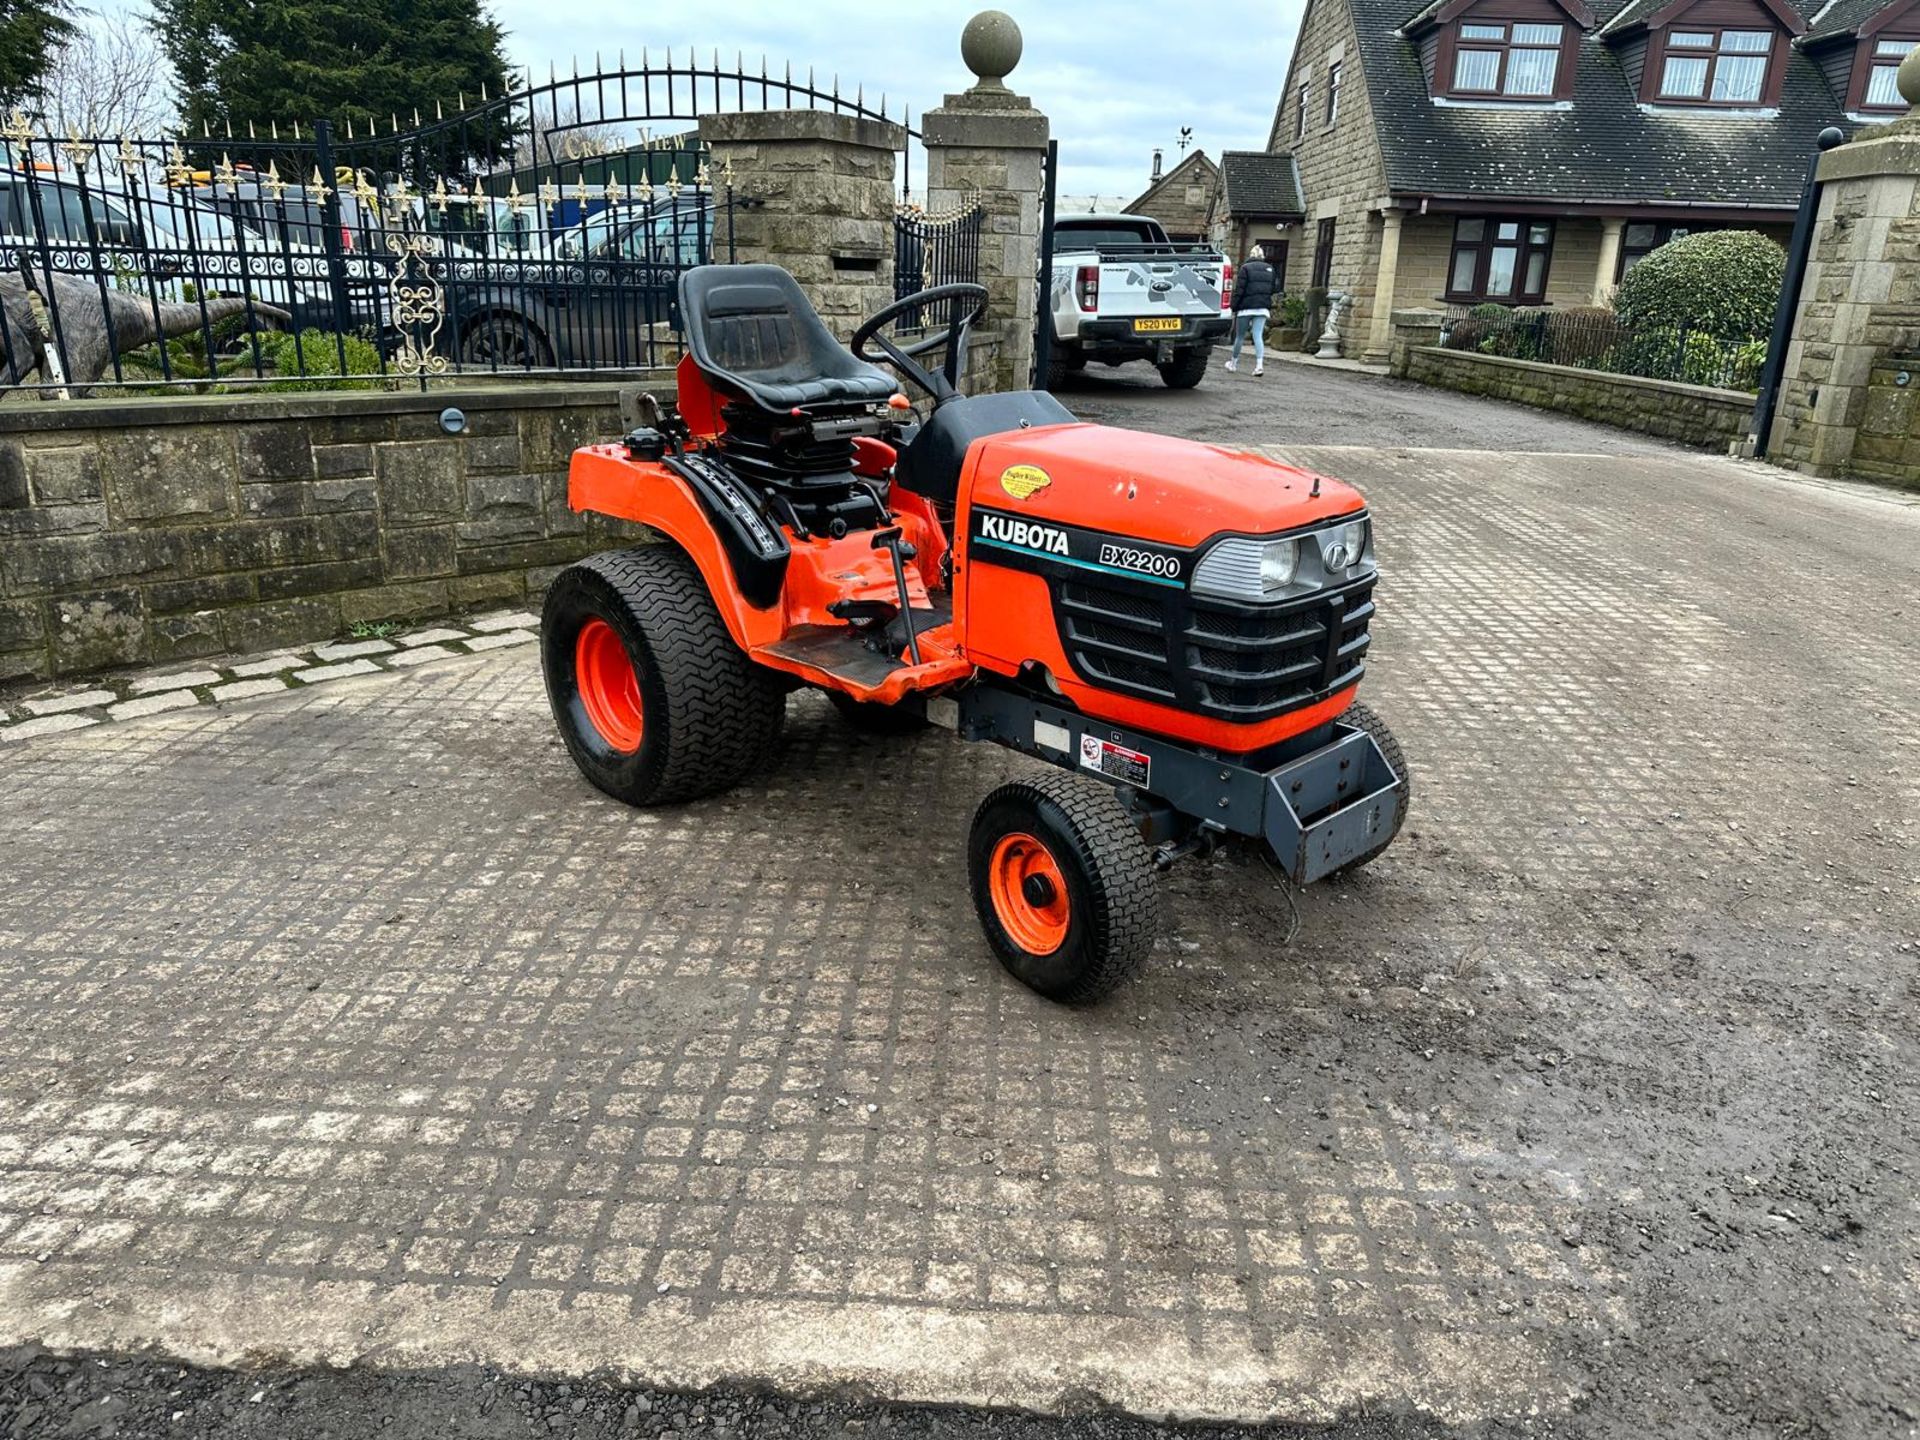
[[1882, 59], [1514, 60], [1716, 67], [1482, 51]]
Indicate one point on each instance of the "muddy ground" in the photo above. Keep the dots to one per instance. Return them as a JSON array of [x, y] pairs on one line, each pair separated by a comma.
[[350, 1030]]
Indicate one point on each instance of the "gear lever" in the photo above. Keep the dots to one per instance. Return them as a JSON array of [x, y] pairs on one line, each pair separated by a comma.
[[902, 551]]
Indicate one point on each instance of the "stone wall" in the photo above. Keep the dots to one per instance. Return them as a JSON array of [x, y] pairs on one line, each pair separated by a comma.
[[1886, 444], [1342, 173], [144, 531], [1689, 414], [1859, 303], [814, 193], [989, 145]]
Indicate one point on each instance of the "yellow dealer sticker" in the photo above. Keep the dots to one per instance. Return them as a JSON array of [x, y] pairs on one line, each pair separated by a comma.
[[1024, 481]]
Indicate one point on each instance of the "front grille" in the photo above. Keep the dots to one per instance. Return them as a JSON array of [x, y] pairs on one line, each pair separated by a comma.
[[1216, 657]]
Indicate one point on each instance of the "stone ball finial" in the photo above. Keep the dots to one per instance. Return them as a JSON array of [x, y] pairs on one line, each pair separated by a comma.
[[1907, 78], [991, 47]]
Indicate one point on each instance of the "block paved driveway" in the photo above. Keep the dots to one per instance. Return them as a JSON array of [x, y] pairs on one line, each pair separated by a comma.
[[350, 1025]]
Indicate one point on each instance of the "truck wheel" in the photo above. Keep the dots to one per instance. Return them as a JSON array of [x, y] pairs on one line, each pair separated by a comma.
[[872, 719], [1064, 886], [655, 701], [1362, 717], [1061, 363], [1187, 368]]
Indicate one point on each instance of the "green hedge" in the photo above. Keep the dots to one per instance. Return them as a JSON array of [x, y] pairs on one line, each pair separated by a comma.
[[1725, 283], [311, 360]]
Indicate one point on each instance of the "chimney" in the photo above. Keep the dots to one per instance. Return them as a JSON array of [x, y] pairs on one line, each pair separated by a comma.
[[1156, 165]]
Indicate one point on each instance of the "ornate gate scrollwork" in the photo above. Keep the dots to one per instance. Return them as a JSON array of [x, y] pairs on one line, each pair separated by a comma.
[[419, 306]]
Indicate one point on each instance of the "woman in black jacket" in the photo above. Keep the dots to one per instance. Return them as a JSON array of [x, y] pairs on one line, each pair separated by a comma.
[[1252, 301]]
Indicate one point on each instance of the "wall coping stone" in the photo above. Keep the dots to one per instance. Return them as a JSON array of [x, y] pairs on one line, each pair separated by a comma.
[[1892, 149], [965, 123], [111, 411], [778, 126], [1632, 382]]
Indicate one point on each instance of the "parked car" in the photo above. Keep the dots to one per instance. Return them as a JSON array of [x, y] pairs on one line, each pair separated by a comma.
[[164, 245], [295, 227], [597, 299], [1122, 291]]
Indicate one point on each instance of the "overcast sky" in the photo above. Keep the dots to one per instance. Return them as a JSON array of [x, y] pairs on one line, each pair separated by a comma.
[[1117, 77]]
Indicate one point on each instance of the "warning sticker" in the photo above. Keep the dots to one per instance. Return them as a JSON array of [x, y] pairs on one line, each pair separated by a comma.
[[1116, 762]]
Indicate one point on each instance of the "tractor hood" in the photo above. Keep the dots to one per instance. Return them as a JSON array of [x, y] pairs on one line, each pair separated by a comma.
[[1155, 488]]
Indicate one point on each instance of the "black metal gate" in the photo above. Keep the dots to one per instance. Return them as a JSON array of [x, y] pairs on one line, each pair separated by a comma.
[[541, 231], [1043, 283]]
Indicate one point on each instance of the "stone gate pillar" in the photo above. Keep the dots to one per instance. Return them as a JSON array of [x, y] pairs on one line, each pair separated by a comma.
[[991, 143], [812, 192], [1859, 305]]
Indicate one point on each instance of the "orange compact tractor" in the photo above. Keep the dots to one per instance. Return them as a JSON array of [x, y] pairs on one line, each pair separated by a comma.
[[1178, 629]]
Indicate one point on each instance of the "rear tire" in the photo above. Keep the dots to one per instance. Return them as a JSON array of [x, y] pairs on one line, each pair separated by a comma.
[[1187, 368], [689, 716], [1362, 717], [872, 719], [1062, 362], [1063, 885], [505, 342]]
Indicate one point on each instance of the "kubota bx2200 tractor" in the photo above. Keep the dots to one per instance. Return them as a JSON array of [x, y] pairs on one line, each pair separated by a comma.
[[1179, 629]]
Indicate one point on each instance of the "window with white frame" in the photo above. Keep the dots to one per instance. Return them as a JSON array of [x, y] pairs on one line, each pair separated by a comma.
[[1514, 60], [1716, 67], [1881, 91]]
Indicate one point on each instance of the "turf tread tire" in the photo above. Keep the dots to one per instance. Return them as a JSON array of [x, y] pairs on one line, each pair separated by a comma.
[[1362, 716], [713, 716], [1113, 865]]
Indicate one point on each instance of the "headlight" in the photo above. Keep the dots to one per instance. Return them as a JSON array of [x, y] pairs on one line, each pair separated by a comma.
[[1342, 547], [1240, 568]]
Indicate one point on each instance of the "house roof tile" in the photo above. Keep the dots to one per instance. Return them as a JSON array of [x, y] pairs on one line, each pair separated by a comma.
[[1602, 146], [1259, 184]]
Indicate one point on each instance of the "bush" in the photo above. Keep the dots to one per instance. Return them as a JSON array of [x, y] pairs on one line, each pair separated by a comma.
[[1490, 310], [1725, 283], [310, 360], [1292, 312], [1744, 364]]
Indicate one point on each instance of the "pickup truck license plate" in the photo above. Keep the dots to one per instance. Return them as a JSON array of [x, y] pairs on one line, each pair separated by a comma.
[[1170, 322]]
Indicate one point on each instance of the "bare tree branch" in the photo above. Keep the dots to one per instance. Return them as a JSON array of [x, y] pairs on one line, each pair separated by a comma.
[[109, 79]]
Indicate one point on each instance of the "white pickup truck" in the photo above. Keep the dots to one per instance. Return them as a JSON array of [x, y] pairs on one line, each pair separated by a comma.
[[1122, 291]]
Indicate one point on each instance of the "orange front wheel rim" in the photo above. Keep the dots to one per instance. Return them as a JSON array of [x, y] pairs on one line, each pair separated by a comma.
[[1029, 893], [609, 687]]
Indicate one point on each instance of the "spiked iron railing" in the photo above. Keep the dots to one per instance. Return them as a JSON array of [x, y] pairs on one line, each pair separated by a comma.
[[543, 230]]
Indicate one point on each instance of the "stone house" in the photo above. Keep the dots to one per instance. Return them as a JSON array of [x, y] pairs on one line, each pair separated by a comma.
[[1260, 197], [1530, 152], [1185, 200]]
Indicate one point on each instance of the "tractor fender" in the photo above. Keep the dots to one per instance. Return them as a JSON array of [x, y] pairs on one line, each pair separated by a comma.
[[606, 480]]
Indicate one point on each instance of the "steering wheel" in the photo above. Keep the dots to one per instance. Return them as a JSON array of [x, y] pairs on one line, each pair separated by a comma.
[[944, 384]]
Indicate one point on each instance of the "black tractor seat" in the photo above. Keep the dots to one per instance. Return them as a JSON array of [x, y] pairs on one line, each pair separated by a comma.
[[754, 335]]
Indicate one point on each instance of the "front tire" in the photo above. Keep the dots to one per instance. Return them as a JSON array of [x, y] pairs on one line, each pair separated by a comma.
[[654, 700], [1187, 368], [1063, 885], [1362, 717]]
